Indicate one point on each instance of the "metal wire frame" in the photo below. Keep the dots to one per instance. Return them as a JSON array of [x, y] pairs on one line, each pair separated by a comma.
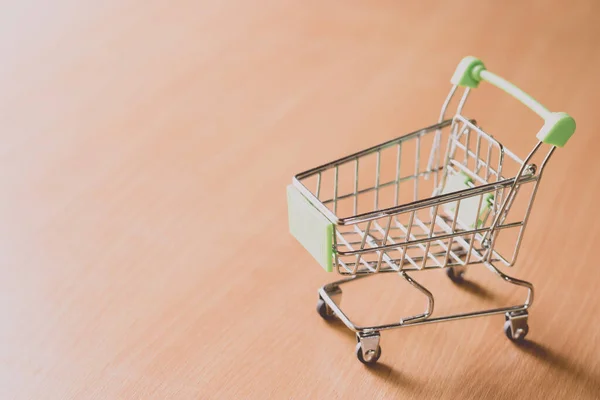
[[422, 234]]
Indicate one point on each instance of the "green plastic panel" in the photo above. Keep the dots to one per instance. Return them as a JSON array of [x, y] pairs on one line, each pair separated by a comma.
[[468, 207], [311, 228]]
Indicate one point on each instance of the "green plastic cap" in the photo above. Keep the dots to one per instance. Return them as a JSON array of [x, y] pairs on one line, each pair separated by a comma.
[[557, 130], [467, 72]]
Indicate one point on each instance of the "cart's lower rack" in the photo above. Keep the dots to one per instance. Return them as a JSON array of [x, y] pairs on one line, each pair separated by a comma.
[[368, 349]]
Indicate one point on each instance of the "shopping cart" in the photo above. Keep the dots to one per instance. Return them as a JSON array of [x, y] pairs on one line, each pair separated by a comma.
[[405, 205]]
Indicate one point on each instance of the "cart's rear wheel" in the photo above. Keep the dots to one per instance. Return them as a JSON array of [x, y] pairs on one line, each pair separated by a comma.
[[324, 310], [455, 276], [372, 356], [518, 336]]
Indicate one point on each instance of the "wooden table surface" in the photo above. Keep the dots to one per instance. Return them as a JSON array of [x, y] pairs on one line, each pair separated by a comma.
[[146, 147]]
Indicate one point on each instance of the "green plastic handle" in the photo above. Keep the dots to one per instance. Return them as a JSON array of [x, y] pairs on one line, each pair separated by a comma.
[[558, 126]]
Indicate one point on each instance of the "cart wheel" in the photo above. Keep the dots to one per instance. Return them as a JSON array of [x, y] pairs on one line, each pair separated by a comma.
[[519, 336], [324, 311], [372, 358], [455, 276]]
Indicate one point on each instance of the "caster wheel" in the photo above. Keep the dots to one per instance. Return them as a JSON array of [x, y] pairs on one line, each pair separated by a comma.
[[518, 336], [371, 358], [324, 311], [455, 276]]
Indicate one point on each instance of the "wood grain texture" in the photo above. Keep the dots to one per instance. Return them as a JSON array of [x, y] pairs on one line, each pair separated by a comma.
[[145, 151]]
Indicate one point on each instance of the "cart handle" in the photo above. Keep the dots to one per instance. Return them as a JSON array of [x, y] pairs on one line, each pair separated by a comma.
[[558, 126]]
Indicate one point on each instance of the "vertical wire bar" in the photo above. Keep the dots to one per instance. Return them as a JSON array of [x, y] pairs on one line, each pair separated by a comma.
[[467, 145], [437, 140], [348, 245], [406, 239], [436, 162], [397, 193], [318, 191], [335, 253], [335, 189], [356, 186], [372, 241], [377, 173], [417, 162], [525, 219], [488, 171], [449, 154], [500, 162], [451, 240], [362, 246], [499, 195], [431, 230], [390, 239], [462, 241], [369, 242], [472, 241], [462, 101], [494, 235], [477, 151], [425, 227], [339, 263], [385, 238]]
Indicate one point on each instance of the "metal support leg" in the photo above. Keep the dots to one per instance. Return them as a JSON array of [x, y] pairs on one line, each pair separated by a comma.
[[457, 274], [427, 293], [368, 349], [514, 281], [335, 294]]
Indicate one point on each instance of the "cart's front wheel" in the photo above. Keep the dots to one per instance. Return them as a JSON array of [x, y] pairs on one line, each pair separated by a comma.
[[371, 355], [324, 310], [518, 335], [456, 275], [516, 327]]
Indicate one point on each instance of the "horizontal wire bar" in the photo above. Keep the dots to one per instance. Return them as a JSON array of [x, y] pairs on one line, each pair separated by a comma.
[[431, 201], [414, 268], [344, 265], [489, 137], [370, 150], [373, 188], [468, 172], [425, 240], [396, 238]]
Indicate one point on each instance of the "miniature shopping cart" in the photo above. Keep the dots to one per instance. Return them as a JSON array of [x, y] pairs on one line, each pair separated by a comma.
[[446, 196]]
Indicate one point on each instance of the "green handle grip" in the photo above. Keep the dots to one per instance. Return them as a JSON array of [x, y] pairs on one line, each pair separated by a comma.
[[558, 126]]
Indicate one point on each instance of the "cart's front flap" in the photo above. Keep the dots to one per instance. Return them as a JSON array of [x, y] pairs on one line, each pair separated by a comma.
[[311, 228]]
